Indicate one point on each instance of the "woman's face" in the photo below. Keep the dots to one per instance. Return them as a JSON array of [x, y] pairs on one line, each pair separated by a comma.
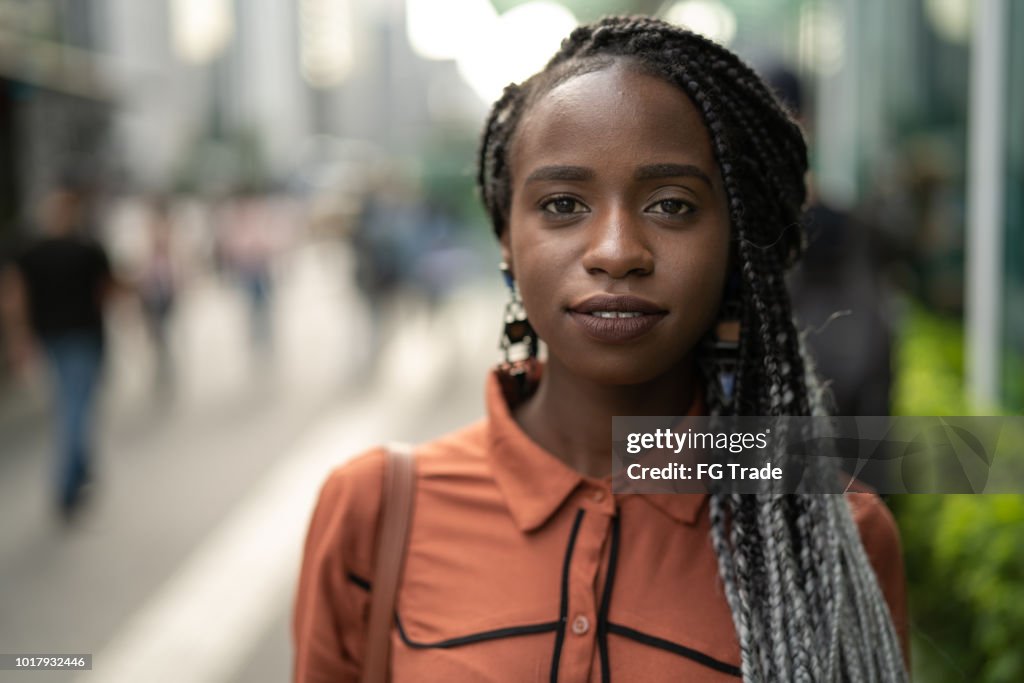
[[618, 232]]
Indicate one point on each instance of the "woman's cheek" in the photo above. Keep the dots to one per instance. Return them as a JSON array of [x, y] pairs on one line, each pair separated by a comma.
[[539, 294], [540, 270]]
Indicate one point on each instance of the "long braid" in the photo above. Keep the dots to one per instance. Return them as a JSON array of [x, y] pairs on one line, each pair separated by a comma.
[[744, 541], [834, 574], [800, 633], [768, 518], [727, 570], [805, 601]]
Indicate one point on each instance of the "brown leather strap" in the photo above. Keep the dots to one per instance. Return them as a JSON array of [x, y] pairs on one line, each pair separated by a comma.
[[396, 514]]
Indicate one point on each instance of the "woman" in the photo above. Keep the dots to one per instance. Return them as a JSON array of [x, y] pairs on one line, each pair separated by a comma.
[[646, 189]]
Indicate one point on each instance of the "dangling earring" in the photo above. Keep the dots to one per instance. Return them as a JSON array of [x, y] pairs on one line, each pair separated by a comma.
[[519, 371], [721, 356]]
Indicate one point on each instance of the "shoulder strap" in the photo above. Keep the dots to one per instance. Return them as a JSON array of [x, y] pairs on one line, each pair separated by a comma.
[[396, 514]]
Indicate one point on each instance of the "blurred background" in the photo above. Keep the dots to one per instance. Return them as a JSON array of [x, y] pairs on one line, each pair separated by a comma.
[[290, 265]]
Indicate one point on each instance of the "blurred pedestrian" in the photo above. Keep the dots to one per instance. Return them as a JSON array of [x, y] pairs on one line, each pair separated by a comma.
[[247, 246], [383, 241], [54, 296], [837, 294], [158, 284]]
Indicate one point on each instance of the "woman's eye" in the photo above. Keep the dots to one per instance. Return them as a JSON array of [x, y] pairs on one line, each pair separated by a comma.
[[564, 205], [672, 207]]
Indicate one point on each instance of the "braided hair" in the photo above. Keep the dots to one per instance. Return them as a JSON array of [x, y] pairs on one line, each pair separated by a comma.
[[804, 599]]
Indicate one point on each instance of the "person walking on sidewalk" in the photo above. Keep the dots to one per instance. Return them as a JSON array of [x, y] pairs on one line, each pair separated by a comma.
[[54, 295]]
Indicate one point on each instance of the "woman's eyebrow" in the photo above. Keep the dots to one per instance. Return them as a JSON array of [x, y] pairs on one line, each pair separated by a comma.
[[653, 171], [560, 173]]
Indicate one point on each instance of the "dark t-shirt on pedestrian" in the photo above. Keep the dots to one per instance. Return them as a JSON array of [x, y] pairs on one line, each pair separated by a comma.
[[65, 278]]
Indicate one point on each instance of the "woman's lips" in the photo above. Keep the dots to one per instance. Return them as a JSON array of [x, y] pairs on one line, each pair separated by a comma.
[[616, 319]]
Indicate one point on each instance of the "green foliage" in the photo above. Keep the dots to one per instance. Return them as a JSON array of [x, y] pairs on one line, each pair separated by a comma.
[[448, 177], [965, 571], [1013, 373], [964, 553], [929, 366]]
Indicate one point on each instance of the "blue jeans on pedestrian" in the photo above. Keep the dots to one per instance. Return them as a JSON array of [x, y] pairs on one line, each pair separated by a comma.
[[76, 359]]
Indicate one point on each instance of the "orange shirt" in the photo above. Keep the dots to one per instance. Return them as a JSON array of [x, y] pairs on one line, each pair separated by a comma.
[[507, 571]]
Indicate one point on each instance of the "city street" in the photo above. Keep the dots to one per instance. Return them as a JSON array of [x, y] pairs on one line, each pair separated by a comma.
[[182, 567]]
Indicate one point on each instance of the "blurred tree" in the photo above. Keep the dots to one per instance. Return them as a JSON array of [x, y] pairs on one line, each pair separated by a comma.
[[448, 175]]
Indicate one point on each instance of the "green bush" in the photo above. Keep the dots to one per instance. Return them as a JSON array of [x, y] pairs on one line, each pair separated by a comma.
[[964, 553]]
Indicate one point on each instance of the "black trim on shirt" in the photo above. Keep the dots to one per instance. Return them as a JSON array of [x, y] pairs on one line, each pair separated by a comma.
[[358, 580], [606, 598], [604, 627], [508, 632], [674, 648], [563, 612]]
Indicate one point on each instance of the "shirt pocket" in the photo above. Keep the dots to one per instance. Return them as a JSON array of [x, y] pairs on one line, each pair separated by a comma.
[[464, 628], [655, 650]]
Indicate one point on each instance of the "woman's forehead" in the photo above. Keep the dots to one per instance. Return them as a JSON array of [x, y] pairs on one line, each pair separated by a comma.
[[615, 113]]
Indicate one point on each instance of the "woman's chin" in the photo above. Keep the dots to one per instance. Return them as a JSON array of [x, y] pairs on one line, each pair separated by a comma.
[[618, 371]]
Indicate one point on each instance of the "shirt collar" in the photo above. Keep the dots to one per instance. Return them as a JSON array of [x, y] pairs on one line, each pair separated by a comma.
[[682, 507], [535, 483]]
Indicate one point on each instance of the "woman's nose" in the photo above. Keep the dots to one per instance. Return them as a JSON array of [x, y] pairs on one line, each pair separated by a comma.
[[618, 247]]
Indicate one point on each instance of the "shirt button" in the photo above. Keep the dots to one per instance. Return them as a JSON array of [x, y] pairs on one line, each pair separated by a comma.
[[597, 495], [580, 625]]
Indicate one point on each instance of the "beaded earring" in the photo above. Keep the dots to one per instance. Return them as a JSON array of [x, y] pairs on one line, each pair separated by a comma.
[[519, 370]]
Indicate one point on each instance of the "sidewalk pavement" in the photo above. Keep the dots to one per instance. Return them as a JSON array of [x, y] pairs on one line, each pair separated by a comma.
[[184, 567]]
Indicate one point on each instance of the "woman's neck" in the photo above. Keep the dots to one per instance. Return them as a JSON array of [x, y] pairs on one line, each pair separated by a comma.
[[571, 417]]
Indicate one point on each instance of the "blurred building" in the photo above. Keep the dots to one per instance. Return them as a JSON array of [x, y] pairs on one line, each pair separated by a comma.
[[914, 115], [55, 105], [214, 96], [221, 91], [917, 127]]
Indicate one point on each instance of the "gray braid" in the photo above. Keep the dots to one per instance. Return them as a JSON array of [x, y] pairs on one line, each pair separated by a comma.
[[726, 569], [777, 623], [817, 597]]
